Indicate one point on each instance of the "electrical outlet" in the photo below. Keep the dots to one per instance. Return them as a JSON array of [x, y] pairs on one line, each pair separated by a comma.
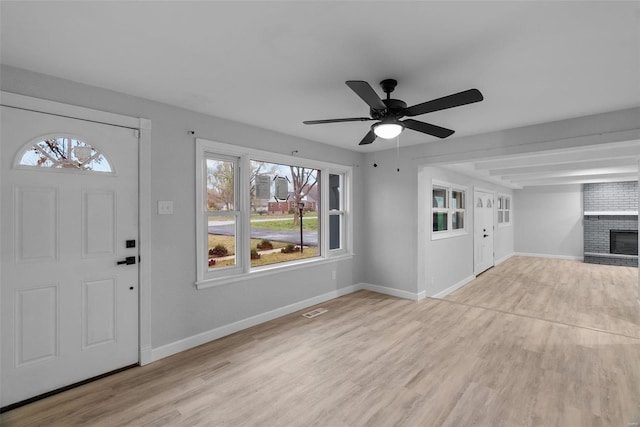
[[165, 207]]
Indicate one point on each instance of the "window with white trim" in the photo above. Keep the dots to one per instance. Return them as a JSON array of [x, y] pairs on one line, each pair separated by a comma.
[[504, 209], [260, 211], [448, 209], [336, 211]]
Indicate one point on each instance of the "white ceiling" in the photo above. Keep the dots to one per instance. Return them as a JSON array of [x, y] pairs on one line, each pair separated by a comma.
[[275, 64]]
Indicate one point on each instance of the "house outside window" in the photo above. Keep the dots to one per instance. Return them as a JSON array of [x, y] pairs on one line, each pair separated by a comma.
[[448, 209], [259, 211]]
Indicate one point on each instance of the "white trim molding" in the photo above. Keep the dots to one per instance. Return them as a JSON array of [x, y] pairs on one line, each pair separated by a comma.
[[398, 293], [222, 331], [504, 258], [453, 287], [553, 256]]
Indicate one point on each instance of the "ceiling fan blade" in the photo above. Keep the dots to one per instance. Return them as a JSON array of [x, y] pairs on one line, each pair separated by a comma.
[[366, 92], [457, 99], [428, 128], [368, 138], [351, 119]]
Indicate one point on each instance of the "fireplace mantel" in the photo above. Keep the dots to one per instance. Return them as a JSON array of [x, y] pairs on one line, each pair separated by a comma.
[[610, 213]]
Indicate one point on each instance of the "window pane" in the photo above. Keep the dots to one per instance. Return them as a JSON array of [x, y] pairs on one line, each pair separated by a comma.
[[500, 202], [457, 220], [275, 222], [220, 185], [222, 241], [440, 221], [335, 192], [439, 197], [457, 199], [65, 153], [334, 231], [506, 216], [507, 203], [500, 216]]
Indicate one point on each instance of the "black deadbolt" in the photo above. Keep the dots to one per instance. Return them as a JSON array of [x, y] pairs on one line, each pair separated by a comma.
[[131, 244]]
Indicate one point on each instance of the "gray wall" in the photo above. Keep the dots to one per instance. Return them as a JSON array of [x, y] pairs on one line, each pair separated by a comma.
[[450, 261], [388, 206], [178, 310], [549, 221], [396, 205]]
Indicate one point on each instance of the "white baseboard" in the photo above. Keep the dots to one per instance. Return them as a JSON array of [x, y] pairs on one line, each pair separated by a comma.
[[213, 334], [392, 291], [578, 258], [145, 356], [452, 288], [151, 355], [504, 258]]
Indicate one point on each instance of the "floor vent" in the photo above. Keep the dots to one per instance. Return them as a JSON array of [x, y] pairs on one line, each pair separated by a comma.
[[313, 313]]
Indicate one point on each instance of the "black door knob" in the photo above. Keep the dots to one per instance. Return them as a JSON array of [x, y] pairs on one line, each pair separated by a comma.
[[127, 261]]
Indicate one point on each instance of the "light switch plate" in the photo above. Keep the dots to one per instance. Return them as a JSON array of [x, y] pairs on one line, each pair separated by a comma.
[[165, 207]]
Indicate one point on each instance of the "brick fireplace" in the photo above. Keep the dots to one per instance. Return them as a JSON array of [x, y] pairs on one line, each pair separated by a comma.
[[611, 209]]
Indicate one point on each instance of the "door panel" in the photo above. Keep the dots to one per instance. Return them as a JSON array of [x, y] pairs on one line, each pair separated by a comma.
[[36, 224], [69, 312], [99, 223], [36, 324], [99, 312], [483, 231]]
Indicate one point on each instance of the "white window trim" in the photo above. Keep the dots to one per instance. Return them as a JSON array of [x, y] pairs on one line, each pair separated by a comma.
[[510, 210], [448, 233], [206, 278]]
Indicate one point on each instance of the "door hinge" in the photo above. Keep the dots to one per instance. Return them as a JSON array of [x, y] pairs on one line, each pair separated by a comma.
[[136, 133]]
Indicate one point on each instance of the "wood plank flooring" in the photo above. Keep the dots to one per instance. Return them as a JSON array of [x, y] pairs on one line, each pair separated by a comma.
[[374, 360], [572, 292]]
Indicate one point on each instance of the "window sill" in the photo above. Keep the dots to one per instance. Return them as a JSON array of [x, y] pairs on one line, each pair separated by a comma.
[[268, 271], [447, 234]]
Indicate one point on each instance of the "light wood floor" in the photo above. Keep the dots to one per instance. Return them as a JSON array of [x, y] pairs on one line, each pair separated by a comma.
[[375, 360], [572, 292]]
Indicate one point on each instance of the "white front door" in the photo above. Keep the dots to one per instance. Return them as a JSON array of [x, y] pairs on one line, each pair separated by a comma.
[[69, 311], [483, 230]]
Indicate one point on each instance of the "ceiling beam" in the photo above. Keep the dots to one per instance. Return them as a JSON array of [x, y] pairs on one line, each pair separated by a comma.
[[573, 174], [563, 167], [586, 179], [571, 156]]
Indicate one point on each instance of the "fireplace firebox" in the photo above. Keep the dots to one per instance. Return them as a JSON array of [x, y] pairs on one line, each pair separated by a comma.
[[624, 242]]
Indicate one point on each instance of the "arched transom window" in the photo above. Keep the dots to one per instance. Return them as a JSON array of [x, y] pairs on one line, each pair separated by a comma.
[[64, 152]]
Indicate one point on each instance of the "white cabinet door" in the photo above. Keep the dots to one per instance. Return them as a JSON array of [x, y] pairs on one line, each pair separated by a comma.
[[69, 311]]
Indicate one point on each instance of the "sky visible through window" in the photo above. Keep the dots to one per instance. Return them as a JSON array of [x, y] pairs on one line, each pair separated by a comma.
[[65, 153]]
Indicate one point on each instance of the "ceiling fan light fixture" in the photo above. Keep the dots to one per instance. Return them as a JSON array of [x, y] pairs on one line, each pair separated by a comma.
[[388, 130]]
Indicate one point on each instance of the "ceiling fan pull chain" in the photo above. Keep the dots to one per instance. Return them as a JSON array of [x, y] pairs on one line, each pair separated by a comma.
[[398, 153]]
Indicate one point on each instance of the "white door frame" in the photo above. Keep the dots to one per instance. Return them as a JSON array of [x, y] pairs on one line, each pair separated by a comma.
[[144, 192]]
